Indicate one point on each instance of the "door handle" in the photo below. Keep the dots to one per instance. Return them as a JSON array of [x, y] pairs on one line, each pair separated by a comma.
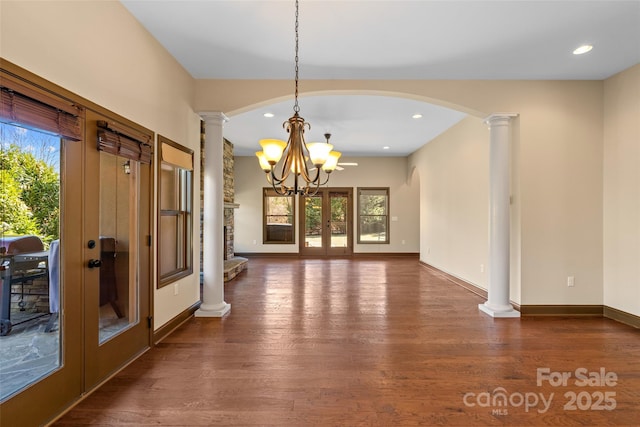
[[94, 263]]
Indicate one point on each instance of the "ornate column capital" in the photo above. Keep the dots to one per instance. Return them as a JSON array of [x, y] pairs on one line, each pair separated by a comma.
[[215, 117], [499, 119]]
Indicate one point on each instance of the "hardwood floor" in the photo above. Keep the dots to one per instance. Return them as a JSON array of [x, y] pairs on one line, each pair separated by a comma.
[[370, 343]]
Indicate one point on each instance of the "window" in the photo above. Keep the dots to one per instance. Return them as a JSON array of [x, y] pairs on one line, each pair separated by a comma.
[[278, 215], [373, 215], [175, 227]]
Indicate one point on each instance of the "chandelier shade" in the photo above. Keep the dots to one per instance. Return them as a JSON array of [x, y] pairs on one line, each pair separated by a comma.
[[280, 160], [319, 152], [332, 162], [272, 149]]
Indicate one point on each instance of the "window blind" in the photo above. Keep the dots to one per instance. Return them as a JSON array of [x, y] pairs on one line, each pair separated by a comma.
[[27, 106], [123, 141]]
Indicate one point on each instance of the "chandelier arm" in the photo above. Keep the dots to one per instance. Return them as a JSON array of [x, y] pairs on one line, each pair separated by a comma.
[[279, 190], [315, 190], [326, 180], [274, 178], [307, 177]]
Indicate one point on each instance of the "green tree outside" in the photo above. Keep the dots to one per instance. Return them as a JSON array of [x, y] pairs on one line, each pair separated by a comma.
[[29, 184]]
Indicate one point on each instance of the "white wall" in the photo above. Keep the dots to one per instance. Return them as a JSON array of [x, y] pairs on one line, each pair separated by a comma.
[[97, 50], [371, 172], [622, 191]]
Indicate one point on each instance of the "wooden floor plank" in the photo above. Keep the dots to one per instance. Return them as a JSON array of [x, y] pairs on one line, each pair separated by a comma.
[[367, 342]]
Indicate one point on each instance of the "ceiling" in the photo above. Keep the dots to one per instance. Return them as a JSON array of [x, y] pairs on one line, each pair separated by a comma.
[[375, 39]]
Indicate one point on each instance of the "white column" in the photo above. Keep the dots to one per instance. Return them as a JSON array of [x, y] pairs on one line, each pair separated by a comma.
[[498, 302], [213, 304]]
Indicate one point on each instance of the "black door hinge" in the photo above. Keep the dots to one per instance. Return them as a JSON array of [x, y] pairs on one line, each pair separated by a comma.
[[149, 240], [150, 322]]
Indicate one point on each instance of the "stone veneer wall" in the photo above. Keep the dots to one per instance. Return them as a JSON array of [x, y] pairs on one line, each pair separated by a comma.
[[229, 193]]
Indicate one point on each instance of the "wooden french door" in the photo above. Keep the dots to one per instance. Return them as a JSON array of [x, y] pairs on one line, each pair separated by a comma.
[[49, 378], [90, 215], [326, 223], [116, 258]]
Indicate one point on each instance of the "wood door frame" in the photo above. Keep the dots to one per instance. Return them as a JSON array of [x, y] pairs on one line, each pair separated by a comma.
[[63, 387], [326, 250], [104, 359]]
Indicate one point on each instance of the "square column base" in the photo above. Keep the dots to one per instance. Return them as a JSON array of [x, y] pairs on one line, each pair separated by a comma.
[[218, 312], [493, 313]]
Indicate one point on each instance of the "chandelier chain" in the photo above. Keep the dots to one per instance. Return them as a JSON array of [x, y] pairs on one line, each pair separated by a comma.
[[296, 107], [299, 157]]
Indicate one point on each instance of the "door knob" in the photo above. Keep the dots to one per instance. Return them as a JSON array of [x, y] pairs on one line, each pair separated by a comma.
[[94, 263]]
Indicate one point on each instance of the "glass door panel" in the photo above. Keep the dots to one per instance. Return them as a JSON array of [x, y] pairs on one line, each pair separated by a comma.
[[313, 221], [118, 245], [30, 339], [338, 227]]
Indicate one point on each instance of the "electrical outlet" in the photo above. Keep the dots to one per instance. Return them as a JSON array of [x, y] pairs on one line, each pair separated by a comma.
[[403, 242], [255, 242], [481, 268], [571, 281], [175, 289]]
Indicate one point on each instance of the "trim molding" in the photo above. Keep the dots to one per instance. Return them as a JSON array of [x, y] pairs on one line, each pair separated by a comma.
[[622, 316], [415, 255], [458, 281], [548, 309], [163, 331], [561, 310]]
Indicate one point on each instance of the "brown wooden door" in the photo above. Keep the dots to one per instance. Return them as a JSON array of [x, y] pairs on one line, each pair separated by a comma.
[[326, 223], [116, 259], [42, 357]]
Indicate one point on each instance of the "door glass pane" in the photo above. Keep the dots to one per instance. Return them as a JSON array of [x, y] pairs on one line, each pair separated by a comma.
[[118, 244], [313, 222], [30, 339], [338, 225]]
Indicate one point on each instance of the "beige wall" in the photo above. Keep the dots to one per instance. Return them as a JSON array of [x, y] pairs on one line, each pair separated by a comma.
[[97, 50], [622, 191], [556, 168], [371, 172], [453, 170]]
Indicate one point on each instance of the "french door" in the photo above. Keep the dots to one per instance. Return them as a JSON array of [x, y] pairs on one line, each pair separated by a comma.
[[116, 258], [326, 223], [96, 275]]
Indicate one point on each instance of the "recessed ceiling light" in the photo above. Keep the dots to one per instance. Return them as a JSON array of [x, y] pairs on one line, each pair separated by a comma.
[[268, 114], [386, 147], [582, 49], [417, 116]]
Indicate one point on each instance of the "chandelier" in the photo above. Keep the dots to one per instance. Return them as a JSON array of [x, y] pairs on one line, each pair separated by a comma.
[[304, 161]]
